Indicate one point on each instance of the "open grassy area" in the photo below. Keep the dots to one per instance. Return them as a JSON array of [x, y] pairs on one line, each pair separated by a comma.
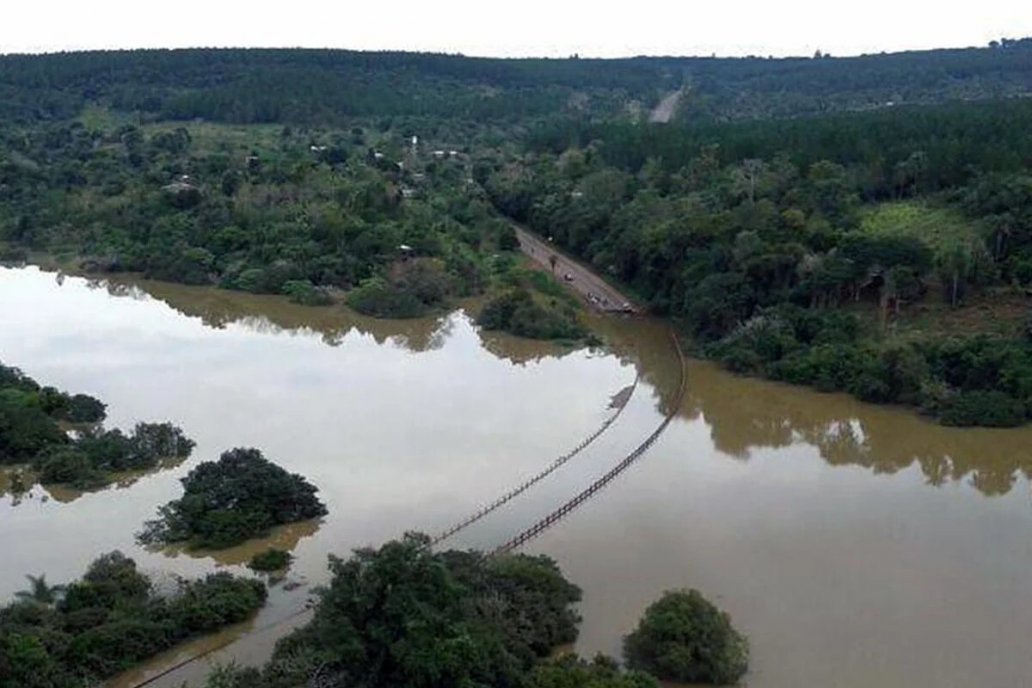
[[96, 117], [209, 137], [933, 225]]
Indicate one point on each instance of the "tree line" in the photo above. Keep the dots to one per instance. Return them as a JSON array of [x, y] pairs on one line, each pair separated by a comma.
[[778, 258], [328, 86]]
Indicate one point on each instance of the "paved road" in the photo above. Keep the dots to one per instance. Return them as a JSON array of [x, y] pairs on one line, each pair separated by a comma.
[[595, 291]]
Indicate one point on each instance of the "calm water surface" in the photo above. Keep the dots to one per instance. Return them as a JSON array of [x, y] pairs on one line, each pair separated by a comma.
[[856, 545]]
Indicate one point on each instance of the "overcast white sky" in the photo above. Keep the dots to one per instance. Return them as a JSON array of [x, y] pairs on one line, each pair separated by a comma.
[[517, 27]]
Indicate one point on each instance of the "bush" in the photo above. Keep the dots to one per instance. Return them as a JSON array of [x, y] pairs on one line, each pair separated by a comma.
[[225, 502], [380, 299], [684, 637], [270, 560], [306, 293], [516, 312], [82, 408], [571, 672], [70, 466], [414, 288], [991, 409]]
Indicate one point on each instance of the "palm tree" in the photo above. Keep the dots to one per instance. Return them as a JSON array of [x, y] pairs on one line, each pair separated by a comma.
[[39, 591]]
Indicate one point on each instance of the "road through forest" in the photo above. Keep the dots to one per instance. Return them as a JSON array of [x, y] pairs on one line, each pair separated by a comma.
[[596, 291]]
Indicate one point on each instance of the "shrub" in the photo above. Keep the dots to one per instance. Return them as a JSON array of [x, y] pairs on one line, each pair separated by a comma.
[[230, 500], [270, 560], [518, 313], [380, 299], [992, 409], [684, 637], [82, 408], [569, 671], [70, 466], [306, 293], [29, 432]]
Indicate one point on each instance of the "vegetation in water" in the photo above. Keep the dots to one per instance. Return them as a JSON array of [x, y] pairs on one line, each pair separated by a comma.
[[518, 312], [306, 293], [110, 620], [30, 433], [402, 615], [683, 637], [225, 502], [270, 560], [569, 671]]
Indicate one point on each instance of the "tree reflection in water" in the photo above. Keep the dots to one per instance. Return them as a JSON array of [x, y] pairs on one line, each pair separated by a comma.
[[745, 413]]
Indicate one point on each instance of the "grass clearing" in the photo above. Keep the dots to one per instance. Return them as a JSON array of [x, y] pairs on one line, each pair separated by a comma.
[[97, 117], [935, 226]]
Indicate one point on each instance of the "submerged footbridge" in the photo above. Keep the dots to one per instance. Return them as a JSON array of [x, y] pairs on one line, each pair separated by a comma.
[[553, 517], [293, 619]]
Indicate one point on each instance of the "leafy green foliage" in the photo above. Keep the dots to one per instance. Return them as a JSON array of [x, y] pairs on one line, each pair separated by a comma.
[[799, 249], [602, 672], [413, 288], [404, 616], [519, 313], [270, 560], [292, 220], [111, 620], [683, 637], [29, 433], [225, 502], [306, 293]]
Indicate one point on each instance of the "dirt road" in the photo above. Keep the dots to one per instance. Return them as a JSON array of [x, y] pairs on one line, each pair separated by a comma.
[[595, 291], [664, 111]]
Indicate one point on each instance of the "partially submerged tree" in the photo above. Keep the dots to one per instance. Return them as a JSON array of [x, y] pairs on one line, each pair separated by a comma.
[[225, 502], [684, 637]]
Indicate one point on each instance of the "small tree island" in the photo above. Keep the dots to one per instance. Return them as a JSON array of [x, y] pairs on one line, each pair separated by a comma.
[[684, 637], [31, 432], [228, 501]]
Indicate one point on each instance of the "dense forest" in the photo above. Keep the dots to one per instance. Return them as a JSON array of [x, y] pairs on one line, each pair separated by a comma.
[[67, 636], [841, 252], [329, 86], [309, 213], [884, 189]]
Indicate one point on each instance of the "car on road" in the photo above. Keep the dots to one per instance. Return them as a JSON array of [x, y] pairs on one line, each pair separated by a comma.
[[568, 277]]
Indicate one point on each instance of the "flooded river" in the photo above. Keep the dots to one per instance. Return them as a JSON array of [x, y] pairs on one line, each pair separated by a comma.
[[855, 545]]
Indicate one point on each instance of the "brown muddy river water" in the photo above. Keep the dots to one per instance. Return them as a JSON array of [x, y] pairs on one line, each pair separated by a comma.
[[857, 546]]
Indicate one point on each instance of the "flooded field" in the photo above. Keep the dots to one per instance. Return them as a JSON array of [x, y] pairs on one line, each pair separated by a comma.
[[855, 545]]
